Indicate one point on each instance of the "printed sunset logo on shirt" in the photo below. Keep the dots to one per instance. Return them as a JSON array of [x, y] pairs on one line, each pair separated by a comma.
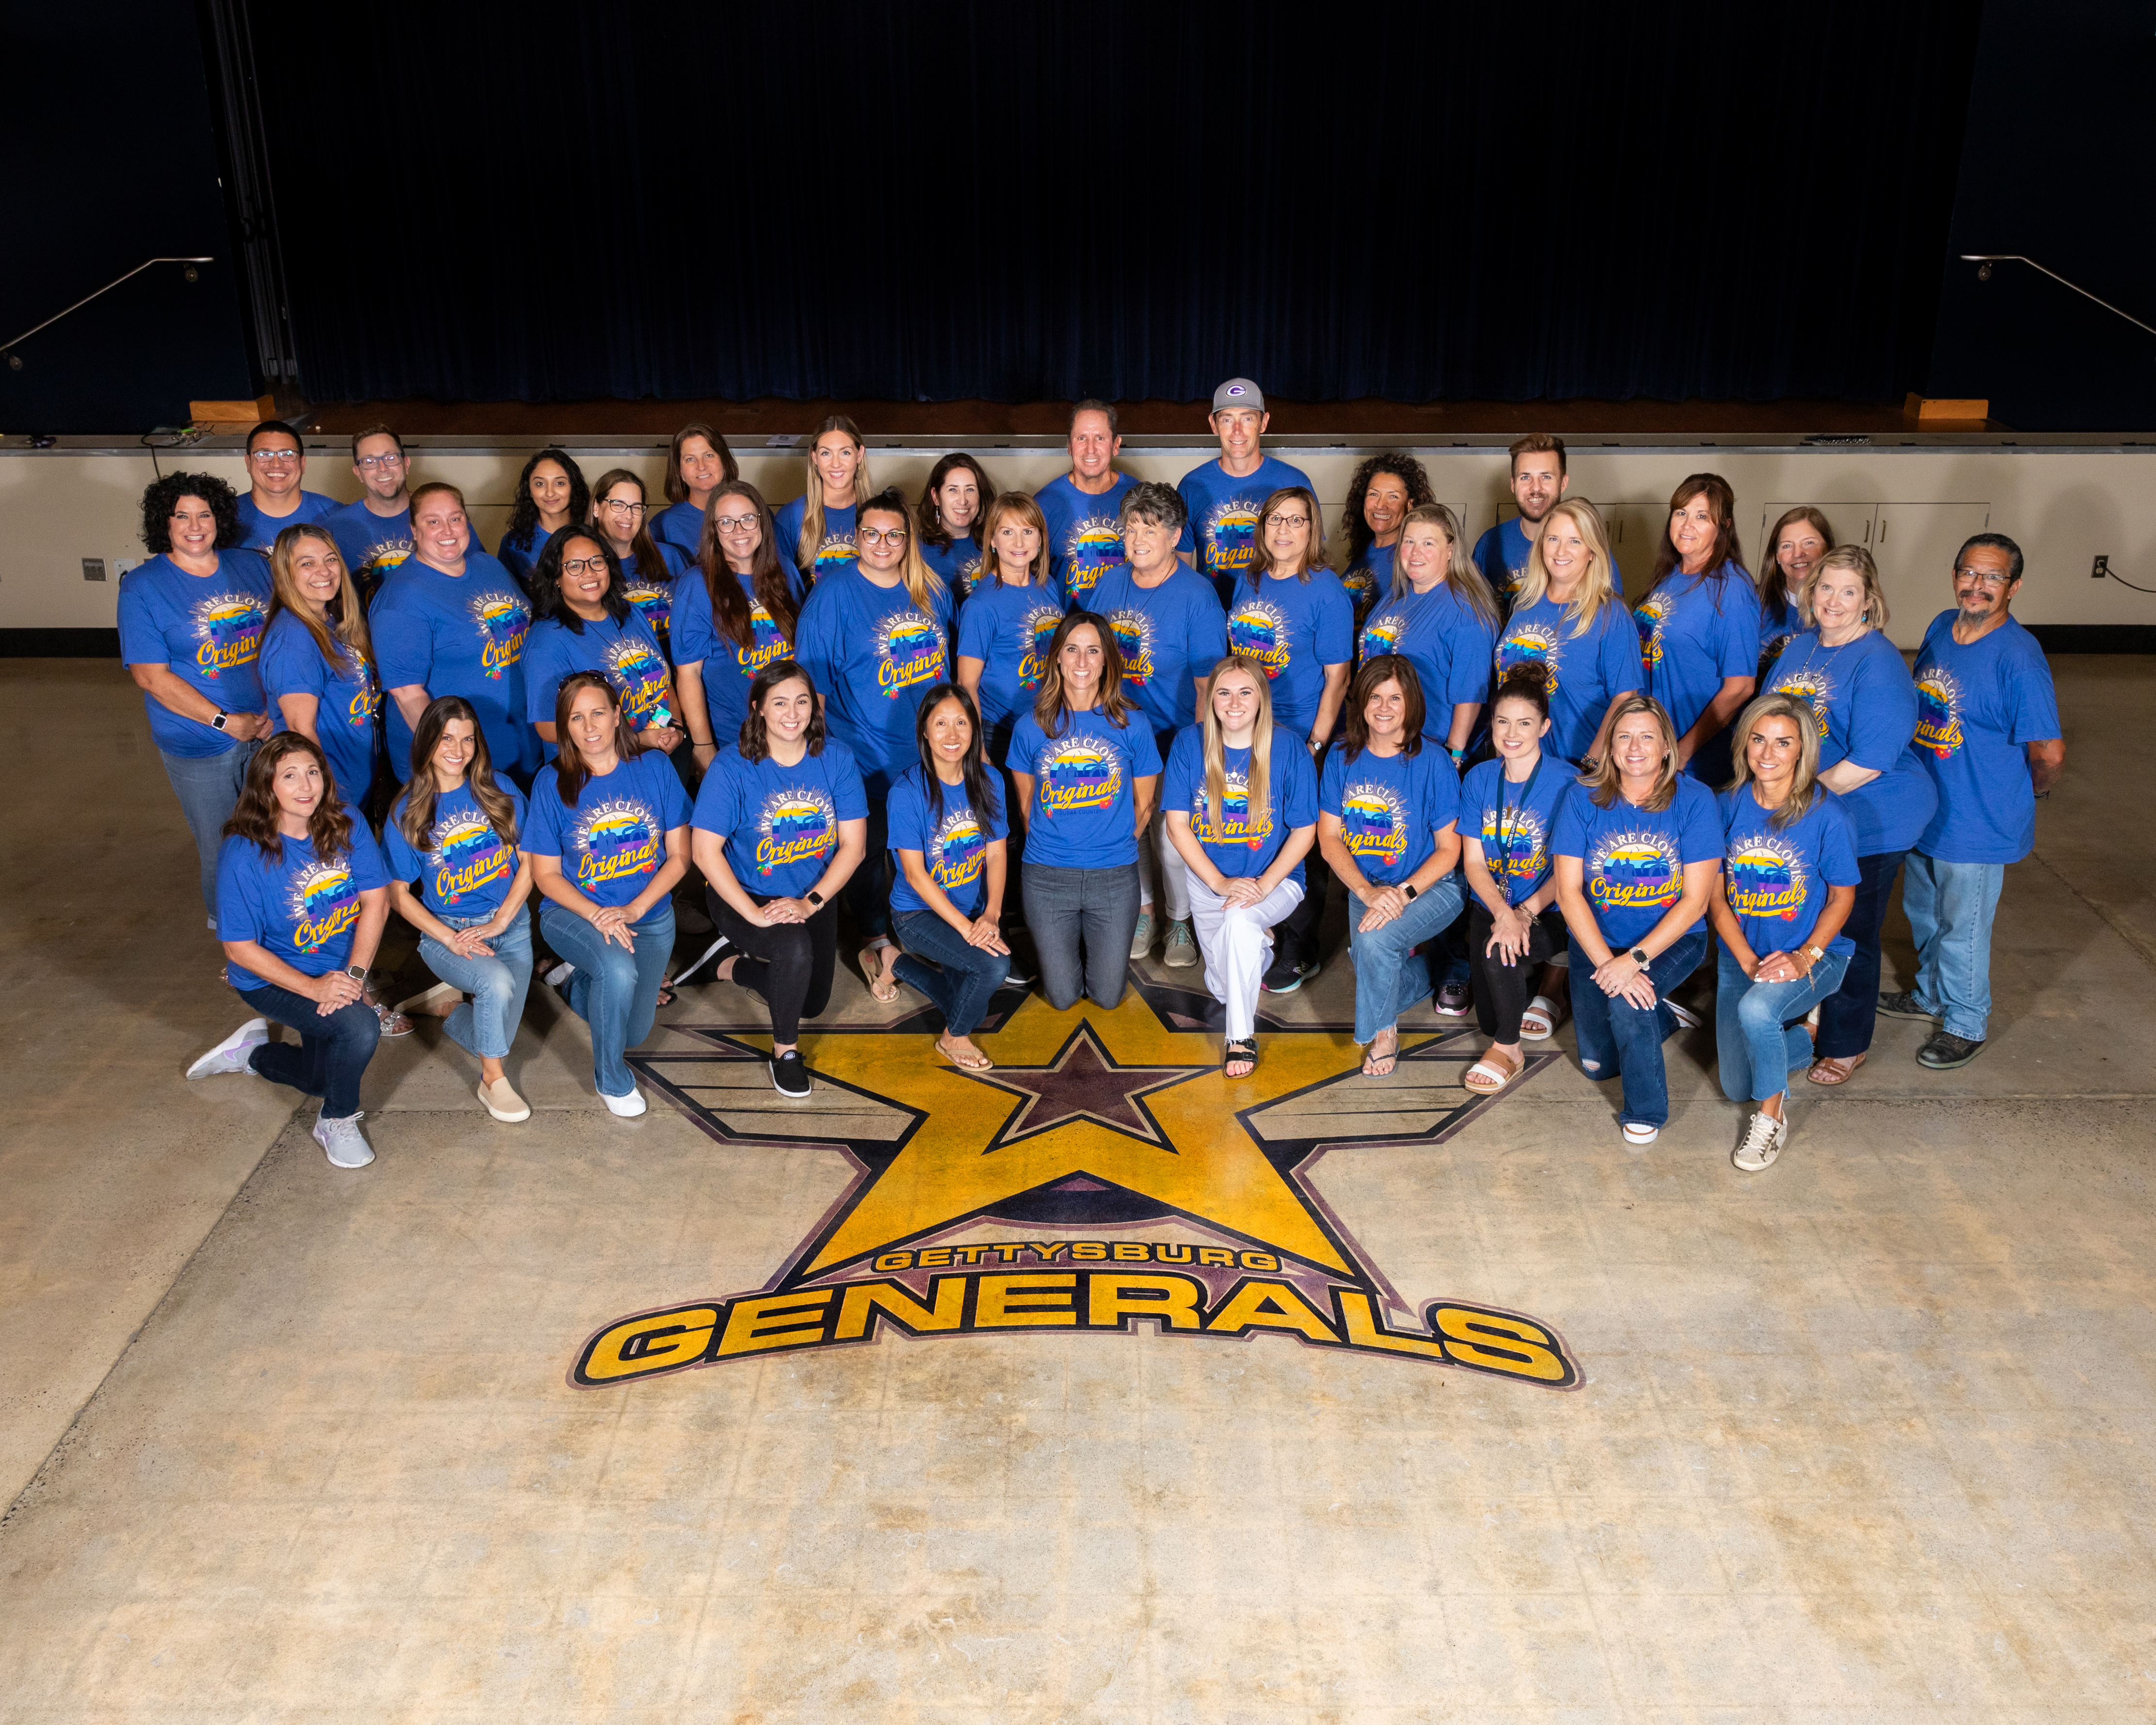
[[1766, 877], [1231, 530], [1772, 652], [1381, 635], [1235, 827], [1133, 632], [1362, 585], [1091, 549], [654, 603], [324, 903], [1530, 644], [503, 619], [1514, 840], [1259, 630], [1077, 774], [770, 642], [970, 574], [468, 854], [835, 552], [909, 652], [1373, 823], [1938, 710], [958, 846], [1634, 871], [1653, 612], [1811, 685], [797, 824], [1040, 625], [229, 628], [615, 841], [640, 674]]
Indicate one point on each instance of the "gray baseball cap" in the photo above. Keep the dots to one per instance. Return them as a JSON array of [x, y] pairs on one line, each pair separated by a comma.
[[1239, 392]]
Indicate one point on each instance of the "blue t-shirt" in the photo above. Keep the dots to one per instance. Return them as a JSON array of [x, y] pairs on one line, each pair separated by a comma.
[[1390, 807], [520, 556], [296, 907], [1448, 645], [1295, 629], [457, 634], [1370, 578], [1776, 878], [1170, 636], [1084, 540], [1239, 847], [1776, 628], [208, 629], [653, 595], [1502, 555], [348, 699], [837, 550], [953, 845], [624, 653], [1978, 708], [1866, 707], [780, 825], [1224, 527], [874, 654], [261, 531], [729, 669], [960, 566], [1008, 629], [1513, 823], [1585, 674], [678, 528], [1632, 859], [613, 839], [1694, 631], [467, 868], [372, 545], [1084, 813]]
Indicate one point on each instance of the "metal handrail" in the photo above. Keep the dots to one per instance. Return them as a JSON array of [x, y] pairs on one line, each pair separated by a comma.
[[6, 347], [1988, 259]]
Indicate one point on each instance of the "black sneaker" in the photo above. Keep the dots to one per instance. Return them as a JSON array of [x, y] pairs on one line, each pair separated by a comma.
[[1945, 1051], [1453, 1000], [1285, 976], [1904, 1004], [789, 1076]]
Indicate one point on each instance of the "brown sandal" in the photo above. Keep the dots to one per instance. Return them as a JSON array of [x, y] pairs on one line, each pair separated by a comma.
[[882, 985], [1835, 1069]]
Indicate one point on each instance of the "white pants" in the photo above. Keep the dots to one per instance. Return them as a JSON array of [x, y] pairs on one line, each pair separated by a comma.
[[1238, 945], [1167, 877]]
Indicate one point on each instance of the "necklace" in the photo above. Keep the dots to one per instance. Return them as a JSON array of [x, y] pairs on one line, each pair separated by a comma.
[[1506, 827]]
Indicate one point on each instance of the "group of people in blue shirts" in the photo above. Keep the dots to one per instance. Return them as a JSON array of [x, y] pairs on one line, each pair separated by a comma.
[[1103, 718]]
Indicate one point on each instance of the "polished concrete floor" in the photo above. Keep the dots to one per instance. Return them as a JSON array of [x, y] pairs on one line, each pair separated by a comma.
[[1865, 1437]]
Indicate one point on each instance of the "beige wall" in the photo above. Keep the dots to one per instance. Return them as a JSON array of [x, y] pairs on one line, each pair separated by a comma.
[[2065, 506]]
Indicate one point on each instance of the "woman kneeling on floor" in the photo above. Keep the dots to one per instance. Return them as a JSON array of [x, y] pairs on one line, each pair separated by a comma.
[[455, 831], [608, 838], [301, 900], [1638, 846], [1242, 814], [1789, 879]]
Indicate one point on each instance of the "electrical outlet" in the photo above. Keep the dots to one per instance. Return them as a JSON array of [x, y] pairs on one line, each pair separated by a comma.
[[92, 569], [120, 566], [2101, 569]]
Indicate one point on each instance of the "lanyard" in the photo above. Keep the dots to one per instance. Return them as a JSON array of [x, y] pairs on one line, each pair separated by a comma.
[[1504, 810]]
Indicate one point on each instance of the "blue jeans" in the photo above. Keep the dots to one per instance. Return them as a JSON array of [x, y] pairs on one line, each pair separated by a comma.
[[969, 975], [207, 786], [1387, 981], [1759, 1035], [1950, 907], [333, 1051], [1098, 906], [614, 991], [486, 1025], [1616, 1039], [1848, 1015]]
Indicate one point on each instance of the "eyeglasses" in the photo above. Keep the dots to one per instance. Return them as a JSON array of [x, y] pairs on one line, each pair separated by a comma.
[[1287, 520], [372, 462], [892, 536], [733, 523], [577, 566], [617, 507], [272, 458]]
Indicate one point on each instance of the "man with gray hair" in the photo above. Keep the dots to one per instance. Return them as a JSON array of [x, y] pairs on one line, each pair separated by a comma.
[[1082, 508], [1224, 497], [1988, 731]]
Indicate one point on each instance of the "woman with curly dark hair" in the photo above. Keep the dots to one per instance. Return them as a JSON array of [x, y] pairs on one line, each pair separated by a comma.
[[303, 895], [551, 493], [1383, 490], [191, 623], [582, 620]]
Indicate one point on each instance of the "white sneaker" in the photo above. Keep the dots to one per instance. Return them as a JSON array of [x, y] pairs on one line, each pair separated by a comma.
[[1763, 1139], [1638, 1137], [231, 1054], [343, 1143], [1684, 1015], [628, 1107], [1181, 951], [560, 974], [1141, 936]]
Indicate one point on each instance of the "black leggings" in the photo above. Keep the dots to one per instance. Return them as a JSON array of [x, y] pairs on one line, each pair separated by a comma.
[[1502, 991], [791, 964]]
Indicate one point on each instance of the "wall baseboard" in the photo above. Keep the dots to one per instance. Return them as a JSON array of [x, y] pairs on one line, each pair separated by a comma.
[[2094, 637], [59, 644]]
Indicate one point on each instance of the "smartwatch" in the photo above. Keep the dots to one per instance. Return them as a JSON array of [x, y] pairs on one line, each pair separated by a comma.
[[1409, 888], [1640, 956], [814, 897], [217, 723], [357, 972]]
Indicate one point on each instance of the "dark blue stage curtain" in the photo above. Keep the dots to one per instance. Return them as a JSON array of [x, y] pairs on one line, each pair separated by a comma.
[[874, 198]]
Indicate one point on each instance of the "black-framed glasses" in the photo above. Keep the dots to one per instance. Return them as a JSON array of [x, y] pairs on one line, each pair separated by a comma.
[[618, 508], [1287, 520], [374, 463], [578, 566], [733, 523]]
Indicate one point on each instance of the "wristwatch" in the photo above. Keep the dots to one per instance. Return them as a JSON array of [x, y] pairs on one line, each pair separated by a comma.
[[814, 897], [217, 723], [1408, 887], [357, 972], [1640, 956], [1815, 954]]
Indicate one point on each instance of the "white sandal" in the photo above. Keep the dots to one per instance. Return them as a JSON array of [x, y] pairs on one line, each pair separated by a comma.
[[1539, 1022], [1493, 1073]]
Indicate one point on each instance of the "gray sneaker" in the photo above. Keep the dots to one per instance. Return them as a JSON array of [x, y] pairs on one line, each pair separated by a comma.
[[1944, 1051], [235, 1053], [343, 1143], [1181, 951], [1763, 1139], [1141, 936], [1904, 1004]]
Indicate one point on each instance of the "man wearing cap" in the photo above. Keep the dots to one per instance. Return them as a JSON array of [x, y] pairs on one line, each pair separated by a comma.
[[1225, 497], [1083, 508]]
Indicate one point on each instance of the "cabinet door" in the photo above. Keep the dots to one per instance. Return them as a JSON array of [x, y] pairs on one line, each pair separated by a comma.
[[1853, 524], [1914, 546], [1636, 531]]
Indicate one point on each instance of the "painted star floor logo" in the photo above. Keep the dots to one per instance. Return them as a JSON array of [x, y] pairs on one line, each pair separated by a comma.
[[1102, 1172]]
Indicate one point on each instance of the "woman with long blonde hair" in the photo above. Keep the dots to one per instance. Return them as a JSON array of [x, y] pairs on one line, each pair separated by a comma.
[[816, 528], [1242, 814], [1569, 617], [318, 661]]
